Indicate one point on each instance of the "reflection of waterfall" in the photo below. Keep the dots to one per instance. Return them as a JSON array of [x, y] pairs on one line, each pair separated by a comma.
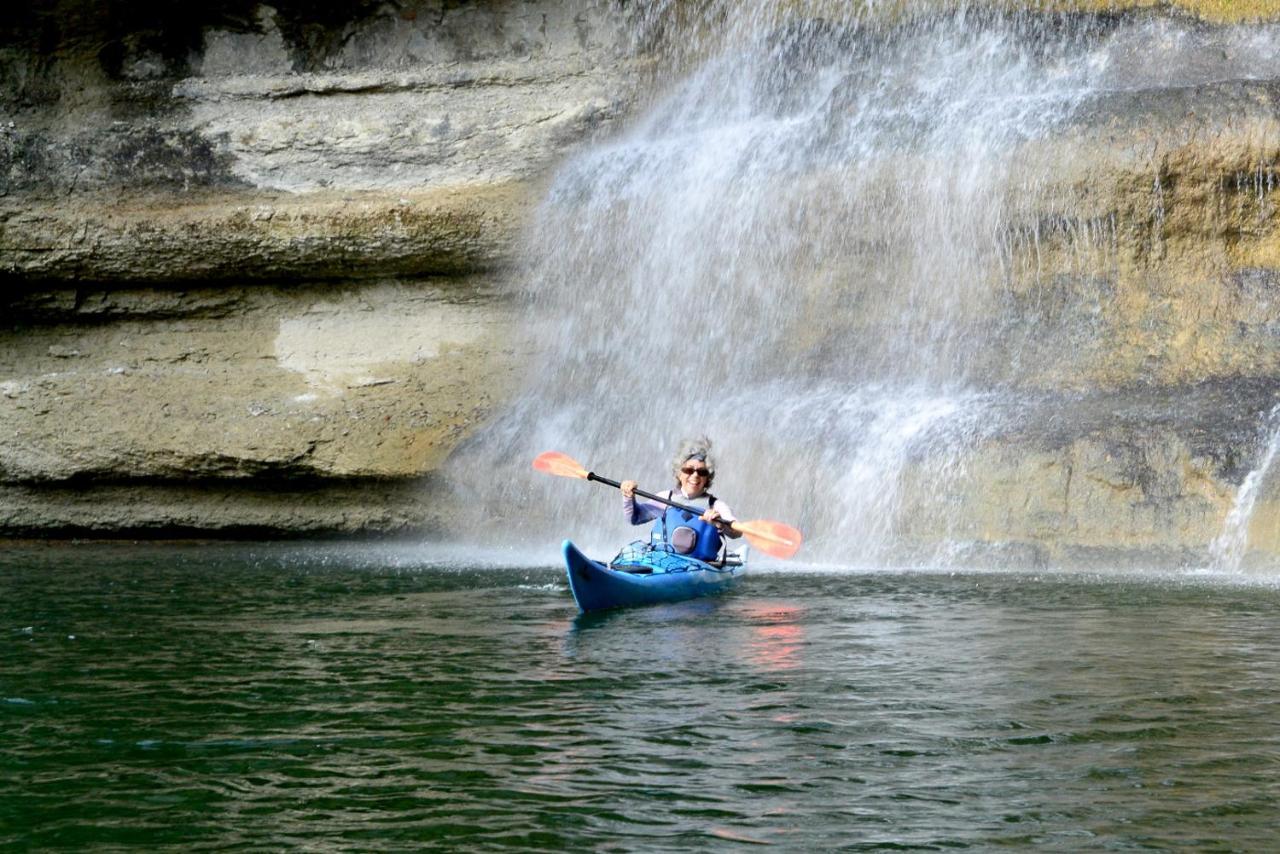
[[1227, 551], [810, 247]]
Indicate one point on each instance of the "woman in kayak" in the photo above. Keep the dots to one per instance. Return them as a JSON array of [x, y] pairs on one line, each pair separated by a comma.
[[698, 536]]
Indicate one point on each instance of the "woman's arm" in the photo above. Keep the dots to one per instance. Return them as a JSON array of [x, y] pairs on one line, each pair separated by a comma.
[[720, 515], [638, 512]]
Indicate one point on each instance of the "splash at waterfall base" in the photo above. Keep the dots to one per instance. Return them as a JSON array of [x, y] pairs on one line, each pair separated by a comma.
[[1004, 288]]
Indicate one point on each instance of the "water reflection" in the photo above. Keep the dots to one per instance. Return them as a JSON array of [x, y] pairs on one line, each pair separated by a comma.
[[814, 710], [776, 635]]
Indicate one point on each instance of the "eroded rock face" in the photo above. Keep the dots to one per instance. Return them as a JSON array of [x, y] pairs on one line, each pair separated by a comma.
[[256, 271], [1138, 477], [283, 143], [247, 390], [251, 256], [236, 236]]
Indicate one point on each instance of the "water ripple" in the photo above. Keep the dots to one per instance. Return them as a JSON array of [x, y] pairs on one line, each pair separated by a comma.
[[352, 707]]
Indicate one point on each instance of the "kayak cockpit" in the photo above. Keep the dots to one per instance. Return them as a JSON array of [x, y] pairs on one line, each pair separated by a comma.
[[644, 557]]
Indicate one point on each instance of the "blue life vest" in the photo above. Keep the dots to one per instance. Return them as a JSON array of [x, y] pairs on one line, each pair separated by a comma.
[[687, 534]]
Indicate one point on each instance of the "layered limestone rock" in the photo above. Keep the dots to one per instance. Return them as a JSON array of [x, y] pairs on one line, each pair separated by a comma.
[[256, 278], [1143, 273], [409, 146], [254, 258], [260, 393], [1153, 254], [236, 236], [1141, 477]]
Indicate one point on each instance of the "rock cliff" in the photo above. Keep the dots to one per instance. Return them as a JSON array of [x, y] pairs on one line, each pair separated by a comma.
[[251, 255], [258, 270]]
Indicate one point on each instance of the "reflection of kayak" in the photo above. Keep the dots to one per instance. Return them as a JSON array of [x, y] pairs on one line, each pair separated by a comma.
[[644, 576]]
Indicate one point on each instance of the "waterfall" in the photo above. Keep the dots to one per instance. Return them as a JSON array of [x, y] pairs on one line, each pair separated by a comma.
[[804, 246], [1227, 551]]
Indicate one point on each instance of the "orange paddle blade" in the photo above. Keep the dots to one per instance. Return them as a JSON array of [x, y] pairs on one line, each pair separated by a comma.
[[561, 465], [772, 538]]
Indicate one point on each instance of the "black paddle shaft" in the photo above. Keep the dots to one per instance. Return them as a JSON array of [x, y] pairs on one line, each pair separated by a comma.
[[667, 501]]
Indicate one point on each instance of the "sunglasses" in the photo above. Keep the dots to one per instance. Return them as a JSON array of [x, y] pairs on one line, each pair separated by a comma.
[[687, 470]]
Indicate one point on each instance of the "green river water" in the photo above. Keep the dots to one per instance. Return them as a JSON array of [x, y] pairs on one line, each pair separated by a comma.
[[379, 698]]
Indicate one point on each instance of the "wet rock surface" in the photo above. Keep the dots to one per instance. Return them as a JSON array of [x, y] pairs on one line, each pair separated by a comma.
[[1144, 475]]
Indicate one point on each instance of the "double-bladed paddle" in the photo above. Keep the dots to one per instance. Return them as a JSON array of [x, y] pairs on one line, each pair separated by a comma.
[[772, 538]]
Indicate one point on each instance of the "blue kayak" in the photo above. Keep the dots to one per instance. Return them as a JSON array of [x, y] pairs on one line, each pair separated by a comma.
[[643, 574]]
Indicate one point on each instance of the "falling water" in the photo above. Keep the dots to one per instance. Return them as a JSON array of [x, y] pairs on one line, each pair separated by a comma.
[[1228, 550], [803, 247]]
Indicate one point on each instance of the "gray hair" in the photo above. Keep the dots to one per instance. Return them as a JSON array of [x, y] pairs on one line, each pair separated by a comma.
[[694, 449]]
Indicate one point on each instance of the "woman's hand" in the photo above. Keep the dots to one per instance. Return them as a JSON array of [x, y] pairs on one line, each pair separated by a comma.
[[628, 488], [714, 517]]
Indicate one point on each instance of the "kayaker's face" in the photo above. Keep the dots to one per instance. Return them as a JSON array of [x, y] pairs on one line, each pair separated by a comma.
[[694, 478]]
